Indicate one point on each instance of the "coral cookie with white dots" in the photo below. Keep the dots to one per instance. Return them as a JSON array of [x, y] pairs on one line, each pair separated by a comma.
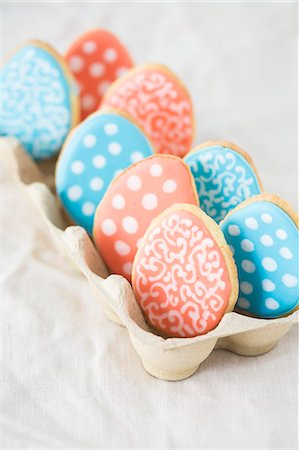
[[184, 276], [96, 59], [39, 104], [224, 176], [263, 235], [133, 199], [159, 103], [95, 153]]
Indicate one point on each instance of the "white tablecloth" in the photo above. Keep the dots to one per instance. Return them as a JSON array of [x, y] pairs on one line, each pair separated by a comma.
[[70, 377]]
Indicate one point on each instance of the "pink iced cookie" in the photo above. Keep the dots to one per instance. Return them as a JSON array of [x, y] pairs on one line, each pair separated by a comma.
[[159, 103], [184, 276], [96, 59], [132, 200]]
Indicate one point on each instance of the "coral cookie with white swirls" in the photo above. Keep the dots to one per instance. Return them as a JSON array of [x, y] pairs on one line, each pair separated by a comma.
[[39, 99], [96, 59], [263, 237], [133, 199], [94, 153], [184, 276], [159, 103], [224, 176]]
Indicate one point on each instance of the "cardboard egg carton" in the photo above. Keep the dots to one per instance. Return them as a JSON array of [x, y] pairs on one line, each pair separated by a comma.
[[168, 359]]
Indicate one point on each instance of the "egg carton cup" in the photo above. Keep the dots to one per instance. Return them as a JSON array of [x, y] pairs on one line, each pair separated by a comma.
[[168, 359]]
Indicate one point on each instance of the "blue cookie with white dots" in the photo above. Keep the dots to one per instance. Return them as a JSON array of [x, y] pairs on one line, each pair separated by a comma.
[[98, 150], [263, 236], [39, 100], [224, 176]]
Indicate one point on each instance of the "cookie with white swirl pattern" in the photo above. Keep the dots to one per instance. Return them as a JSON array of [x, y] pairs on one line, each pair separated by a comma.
[[224, 175], [159, 103], [184, 276], [39, 99]]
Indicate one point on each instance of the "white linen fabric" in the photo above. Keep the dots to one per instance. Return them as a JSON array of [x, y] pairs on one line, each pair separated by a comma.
[[71, 378]]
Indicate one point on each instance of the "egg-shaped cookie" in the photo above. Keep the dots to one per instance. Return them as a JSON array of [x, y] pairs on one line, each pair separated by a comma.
[[39, 99], [133, 199], [96, 152], [263, 235], [159, 103], [224, 176], [96, 59], [184, 277]]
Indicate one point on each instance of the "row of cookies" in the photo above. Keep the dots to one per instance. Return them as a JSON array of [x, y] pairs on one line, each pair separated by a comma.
[[113, 179], [44, 95], [185, 256]]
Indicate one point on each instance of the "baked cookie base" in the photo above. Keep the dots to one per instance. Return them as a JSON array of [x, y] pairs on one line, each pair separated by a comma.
[[167, 359]]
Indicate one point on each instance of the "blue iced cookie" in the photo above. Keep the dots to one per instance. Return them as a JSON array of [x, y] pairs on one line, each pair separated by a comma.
[[95, 153], [224, 176], [39, 100], [263, 236]]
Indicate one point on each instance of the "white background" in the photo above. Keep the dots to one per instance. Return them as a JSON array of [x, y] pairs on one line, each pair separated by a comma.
[[71, 378]]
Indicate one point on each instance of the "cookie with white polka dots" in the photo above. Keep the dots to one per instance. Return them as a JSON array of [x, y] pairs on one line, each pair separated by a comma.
[[133, 199], [263, 235], [95, 152], [159, 102], [184, 276], [96, 59], [224, 175]]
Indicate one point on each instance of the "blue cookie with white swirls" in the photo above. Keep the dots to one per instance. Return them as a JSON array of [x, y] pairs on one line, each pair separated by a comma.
[[263, 236], [224, 175], [100, 148], [39, 100]]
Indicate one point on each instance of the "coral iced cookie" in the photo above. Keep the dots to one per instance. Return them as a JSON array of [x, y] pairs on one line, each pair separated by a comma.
[[159, 103], [263, 237], [184, 276], [39, 99], [96, 59], [95, 152], [135, 197], [224, 176]]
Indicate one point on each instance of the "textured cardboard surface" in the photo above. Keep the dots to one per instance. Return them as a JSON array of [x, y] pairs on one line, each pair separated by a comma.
[[169, 359]]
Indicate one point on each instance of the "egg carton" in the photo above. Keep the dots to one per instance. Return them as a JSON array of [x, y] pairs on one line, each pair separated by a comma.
[[167, 359]]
